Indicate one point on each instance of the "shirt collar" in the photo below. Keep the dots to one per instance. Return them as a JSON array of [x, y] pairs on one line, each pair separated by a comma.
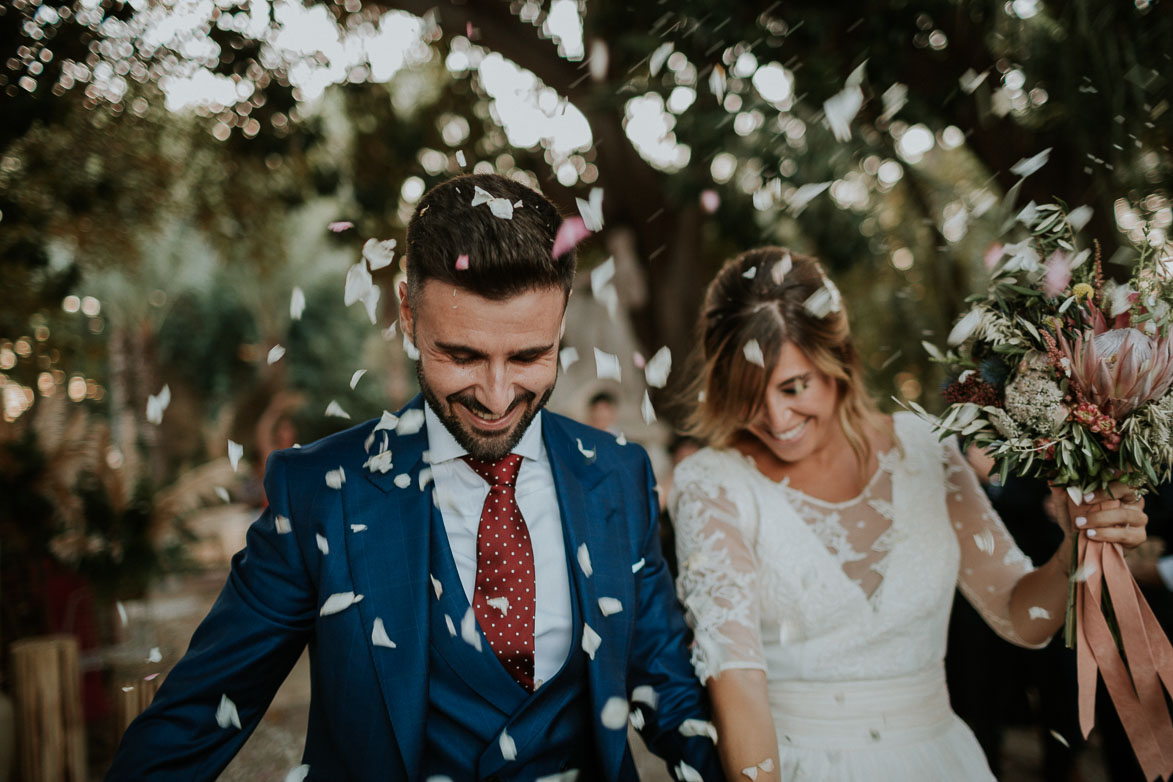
[[442, 446]]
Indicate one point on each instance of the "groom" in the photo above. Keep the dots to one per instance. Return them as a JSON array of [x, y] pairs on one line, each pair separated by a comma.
[[479, 581]]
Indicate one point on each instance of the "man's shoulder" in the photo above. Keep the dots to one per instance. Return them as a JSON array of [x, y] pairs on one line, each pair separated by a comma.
[[603, 448]]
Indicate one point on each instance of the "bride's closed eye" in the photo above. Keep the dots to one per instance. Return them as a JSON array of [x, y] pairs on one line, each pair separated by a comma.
[[795, 386]]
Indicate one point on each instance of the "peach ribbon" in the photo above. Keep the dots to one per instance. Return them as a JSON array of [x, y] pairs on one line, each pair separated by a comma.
[[1137, 688]]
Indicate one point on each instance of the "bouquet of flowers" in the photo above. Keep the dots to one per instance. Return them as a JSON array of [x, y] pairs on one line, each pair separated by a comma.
[[1060, 374]]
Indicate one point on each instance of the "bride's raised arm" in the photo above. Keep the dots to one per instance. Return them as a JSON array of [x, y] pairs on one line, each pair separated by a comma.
[[718, 585]]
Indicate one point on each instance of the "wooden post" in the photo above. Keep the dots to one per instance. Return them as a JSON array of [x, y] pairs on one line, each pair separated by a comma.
[[132, 699], [47, 686]]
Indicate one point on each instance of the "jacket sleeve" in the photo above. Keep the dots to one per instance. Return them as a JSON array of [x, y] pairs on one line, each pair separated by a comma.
[[660, 660], [237, 658]]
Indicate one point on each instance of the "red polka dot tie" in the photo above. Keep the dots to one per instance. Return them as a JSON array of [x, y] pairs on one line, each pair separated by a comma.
[[504, 595]]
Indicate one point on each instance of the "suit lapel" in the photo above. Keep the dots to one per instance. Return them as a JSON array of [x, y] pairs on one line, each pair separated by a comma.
[[389, 566], [587, 506]]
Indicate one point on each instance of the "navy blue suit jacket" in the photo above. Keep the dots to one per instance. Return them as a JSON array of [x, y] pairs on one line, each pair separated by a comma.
[[368, 711]]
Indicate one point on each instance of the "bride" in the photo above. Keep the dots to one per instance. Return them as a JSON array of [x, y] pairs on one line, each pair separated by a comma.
[[820, 543]]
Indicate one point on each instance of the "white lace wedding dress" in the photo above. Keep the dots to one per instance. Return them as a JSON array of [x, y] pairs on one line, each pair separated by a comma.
[[845, 605]]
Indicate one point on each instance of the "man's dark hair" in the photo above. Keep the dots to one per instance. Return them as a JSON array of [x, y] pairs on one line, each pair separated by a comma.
[[506, 256]]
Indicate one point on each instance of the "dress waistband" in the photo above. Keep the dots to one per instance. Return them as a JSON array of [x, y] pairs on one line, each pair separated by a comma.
[[860, 713]]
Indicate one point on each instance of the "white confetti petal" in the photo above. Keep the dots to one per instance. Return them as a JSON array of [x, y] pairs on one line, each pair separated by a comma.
[[378, 254], [389, 332], [606, 365], [235, 451], [339, 601], [1084, 572], [621, 439], [357, 376], [984, 540], [298, 774], [1079, 216], [717, 83], [460, 161], [282, 524], [480, 196], [222, 493], [335, 410], [323, 544], [388, 421], [584, 560], [156, 404], [566, 357], [824, 301], [587, 452], [646, 694], [403, 480], [410, 422], [780, 269], [659, 57], [451, 626], [767, 765], [358, 527], [1038, 612], [686, 773], [971, 80], [275, 354], [379, 635], [380, 463], [614, 714], [358, 284], [698, 728], [602, 275], [468, 630], [610, 605], [437, 587], [658, 367], [750, 771], [646, 410], [500, 603], [895, 97], [841, 109], [425, 477], [600, 58], [226, 713], [296, 304], [637, 719], [1059, 737], [155, 656], [638, 566], [1029, 165], [335, 478], [590, 640], [753, 353], [508, 747], [410, 349], [802, 197], [591, 211], [751, 273]]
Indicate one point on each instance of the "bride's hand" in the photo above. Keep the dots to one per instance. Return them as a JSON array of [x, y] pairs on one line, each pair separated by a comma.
[[1114, 515]]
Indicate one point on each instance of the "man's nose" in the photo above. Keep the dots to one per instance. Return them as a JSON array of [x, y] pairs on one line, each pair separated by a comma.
[[497, 388]]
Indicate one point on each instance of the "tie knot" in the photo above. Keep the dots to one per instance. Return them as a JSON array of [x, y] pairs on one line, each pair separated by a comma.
[[502, 472]]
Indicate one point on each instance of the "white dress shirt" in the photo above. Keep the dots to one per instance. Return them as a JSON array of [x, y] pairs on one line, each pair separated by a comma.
[[460, 494]]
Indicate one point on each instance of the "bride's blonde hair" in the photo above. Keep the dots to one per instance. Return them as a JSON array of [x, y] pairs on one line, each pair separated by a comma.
[[774, 296]]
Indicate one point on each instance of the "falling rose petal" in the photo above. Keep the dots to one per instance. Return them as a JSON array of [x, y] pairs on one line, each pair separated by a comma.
[[621, 439], [425, 477], [591, 210], [753, 353], [750, 771], [155, 656], [658, 367], [971, 80], [1084, 572], [451, 626], [501, 208], [338, 226], [358, 527], [767, 765], [380, 463], [150, 677], [379, 254], [584, 560], [226, 713], [508, 747], [357, 376], [500, 603], [122, 617], [298, 774], [645, 694], [323, 544], [636, 717], [572, 231], [601, 275], [460, 161], [335, 410], [659, 57], [410, 422], [824, 301], [437, 587], [710, 201], [599, 60], [235, 451], [750, 273], [339, 601], [638, 359], [717, 83], [358, 283], [608, 296], [1059, 737], [387, 421], [841, 109], [1038, 612], [403, 480], [379, 635], [275, 354], [157, 404], [1079, 217], [993, 255], [590, 641], [468, 630], [780, 269], [282, 524], [638, 566], [566, 357], [335, 478], [686, 773], [589, 453], [614, 714], [296, 304], [1057, 274], [646, 410], [895, 97], [692, 727], [610, 605], [606, 365], [804, 195], [1029, 165], [462, 262], [223, 494], [370, 303], [984, 540], [389, 332]]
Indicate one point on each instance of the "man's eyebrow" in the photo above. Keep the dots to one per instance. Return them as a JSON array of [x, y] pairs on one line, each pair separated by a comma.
[[453, 348], [449, 347]]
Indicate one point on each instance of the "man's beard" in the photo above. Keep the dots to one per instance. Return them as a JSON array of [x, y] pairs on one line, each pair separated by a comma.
[[486, 447]]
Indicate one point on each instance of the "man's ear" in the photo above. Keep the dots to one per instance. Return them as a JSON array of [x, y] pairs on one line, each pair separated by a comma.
[[565, 307], [406, 320]]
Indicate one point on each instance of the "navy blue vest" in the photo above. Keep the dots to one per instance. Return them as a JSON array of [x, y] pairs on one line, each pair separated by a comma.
[[472, 699]]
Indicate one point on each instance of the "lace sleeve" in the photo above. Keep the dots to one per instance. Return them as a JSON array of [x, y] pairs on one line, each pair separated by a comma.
[[718, 574], [991, 562]]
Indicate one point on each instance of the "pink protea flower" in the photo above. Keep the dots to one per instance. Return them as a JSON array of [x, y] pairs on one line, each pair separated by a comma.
[[1118, 370]]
